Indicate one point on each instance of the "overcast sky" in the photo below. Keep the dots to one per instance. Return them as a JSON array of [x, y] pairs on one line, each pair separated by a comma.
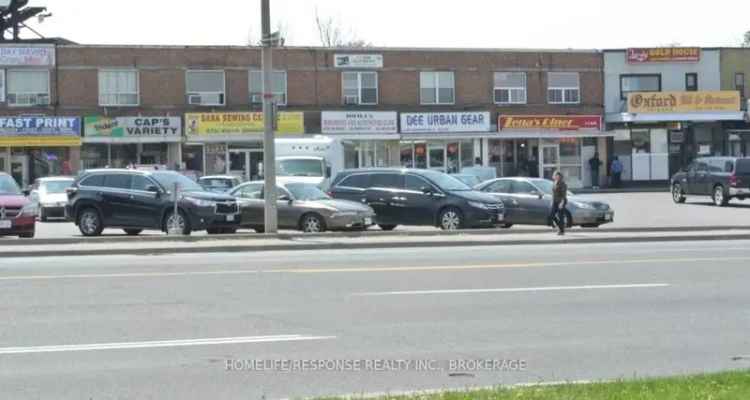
[[407, 23]]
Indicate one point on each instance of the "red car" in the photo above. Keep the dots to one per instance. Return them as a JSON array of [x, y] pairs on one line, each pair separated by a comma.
[[17, 213]]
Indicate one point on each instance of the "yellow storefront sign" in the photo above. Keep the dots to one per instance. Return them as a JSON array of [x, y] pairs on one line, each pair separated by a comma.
[[238, 123], [40, 141], [676, 102]]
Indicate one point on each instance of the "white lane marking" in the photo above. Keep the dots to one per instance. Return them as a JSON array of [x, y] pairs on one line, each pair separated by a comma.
[[516, 290], [159, 343]]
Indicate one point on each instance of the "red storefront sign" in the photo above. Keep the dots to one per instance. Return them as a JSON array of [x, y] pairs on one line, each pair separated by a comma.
[[550, 122], [664, 54]]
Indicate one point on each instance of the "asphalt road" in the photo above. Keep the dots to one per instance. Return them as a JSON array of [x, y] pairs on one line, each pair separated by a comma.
[[632, 210], [193, 326]]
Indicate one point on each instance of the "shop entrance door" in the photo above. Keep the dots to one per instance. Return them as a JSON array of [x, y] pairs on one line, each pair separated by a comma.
[[246, 164], [550, 160], [436, 156], [19, 168]]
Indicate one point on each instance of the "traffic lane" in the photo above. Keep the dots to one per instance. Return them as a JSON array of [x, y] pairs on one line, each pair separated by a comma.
[[560, 335]]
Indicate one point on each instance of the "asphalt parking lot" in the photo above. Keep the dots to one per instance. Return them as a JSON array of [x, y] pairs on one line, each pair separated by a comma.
[[632, 210]]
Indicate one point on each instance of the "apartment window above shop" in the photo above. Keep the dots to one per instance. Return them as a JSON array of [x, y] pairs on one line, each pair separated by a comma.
[[563, 88], [510, 88], [360, 88], [28, 88], [278, 87], [437, 88], [639, 83], [205, 88], [691, 82], [118, 88]]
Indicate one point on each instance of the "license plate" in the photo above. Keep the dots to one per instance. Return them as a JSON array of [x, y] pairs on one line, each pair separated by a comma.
[[230, 218], [368, 221], [5, 224], [609, 217], [500, 217]]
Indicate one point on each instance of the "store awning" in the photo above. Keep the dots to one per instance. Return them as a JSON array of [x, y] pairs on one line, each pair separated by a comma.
[[447, 136], [40, 141], [549, 134], [131, 140], [677, 117]]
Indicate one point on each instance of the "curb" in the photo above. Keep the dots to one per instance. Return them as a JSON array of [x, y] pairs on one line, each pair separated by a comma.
[[365, 234], [362, 246]]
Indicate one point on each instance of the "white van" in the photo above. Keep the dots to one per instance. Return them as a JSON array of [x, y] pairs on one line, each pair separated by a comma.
[[311, 160]]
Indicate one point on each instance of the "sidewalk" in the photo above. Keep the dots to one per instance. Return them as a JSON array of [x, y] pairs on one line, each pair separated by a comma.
[[248, 243]]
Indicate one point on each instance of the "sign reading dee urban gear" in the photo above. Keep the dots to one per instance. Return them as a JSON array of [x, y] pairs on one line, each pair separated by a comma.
[[40, 131], [163, 128], [359, 122], [674, 102], [27, 56], [445, 122], [358, 60], [550, 122], [664, 54], [238, 123]]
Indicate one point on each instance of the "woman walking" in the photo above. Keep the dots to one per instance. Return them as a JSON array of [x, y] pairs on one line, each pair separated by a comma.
[[559, 201]]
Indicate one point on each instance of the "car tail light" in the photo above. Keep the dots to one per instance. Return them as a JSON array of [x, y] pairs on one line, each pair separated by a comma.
[[733, 180]]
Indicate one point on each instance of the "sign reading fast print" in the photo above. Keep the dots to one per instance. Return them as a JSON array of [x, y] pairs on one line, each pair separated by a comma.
[[445, 122], [167, 129], [664, 54], [358, 60], [40, 131], [378, 122], [43, 56], [550, 122]]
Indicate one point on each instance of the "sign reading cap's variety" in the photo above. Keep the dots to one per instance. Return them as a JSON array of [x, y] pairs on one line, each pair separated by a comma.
[[359, 122], [134, 128], [672, 102], [550, 122], [664, 54], [445, 122]]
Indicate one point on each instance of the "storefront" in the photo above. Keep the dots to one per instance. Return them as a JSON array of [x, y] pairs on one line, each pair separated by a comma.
[[370, 138], [539, 145], [443, 141], [232, 143], [131, 141], [36, 147], [660, 133]]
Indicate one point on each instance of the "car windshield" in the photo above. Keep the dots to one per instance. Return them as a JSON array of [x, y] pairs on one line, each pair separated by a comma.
[[306, 192], [297, 167], [8, 185], [56, 187], [168, 180], [446, 182]]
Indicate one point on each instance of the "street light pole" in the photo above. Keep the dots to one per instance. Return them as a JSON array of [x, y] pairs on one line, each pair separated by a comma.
[[269, 149]]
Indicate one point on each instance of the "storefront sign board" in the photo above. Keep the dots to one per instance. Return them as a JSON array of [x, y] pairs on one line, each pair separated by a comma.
[[550, 122], [663, 54], [40, 131], [18, 56], [445, 122], [373, 122], [239, 123], [166, 128], [358, 61], [675, 102]]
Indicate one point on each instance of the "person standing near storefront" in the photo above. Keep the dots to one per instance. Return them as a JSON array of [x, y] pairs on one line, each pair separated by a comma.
[[533, 166], [594, 164], [559, 202], [616, 170]]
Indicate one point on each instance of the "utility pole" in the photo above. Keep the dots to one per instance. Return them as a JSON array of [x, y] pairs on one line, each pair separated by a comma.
[[269, 147]]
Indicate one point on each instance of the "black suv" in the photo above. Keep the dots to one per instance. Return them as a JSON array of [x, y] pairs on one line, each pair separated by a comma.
[[137, 200], [418, 197], [722, 178]]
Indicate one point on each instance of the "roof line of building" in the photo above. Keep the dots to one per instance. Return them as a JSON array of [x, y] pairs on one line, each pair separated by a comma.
[[337, 49]]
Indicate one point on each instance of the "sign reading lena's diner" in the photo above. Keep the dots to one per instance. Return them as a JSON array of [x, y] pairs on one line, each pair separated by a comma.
[[550, 122], [163, 128], [359, 122], [674, 102], [445, 122], [664, 54]]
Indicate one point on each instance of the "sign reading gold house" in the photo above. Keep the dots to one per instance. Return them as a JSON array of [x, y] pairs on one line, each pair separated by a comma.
[[683, 102]]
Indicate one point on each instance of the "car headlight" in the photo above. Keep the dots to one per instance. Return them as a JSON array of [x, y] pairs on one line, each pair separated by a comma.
[[29, 210], [344, 214], [586, 206], [199, 202], [482, 206]]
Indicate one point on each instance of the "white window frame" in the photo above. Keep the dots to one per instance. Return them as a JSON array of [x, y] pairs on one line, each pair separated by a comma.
[[359, 87], [137, 92], [49, 88], [524, 88], [284, 95], [223, 93], [437, 88], [564, 89]]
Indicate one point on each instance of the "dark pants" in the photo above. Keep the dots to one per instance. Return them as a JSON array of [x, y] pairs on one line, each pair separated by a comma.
[[616, 179], [557, 216], [595, 177]]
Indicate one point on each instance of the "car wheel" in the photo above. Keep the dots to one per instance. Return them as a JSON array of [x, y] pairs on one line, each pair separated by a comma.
[[720, 199], [387, 228], [312, 223], [133, 232], [28, 235], [677, 194], [506, 226], [90, 222], [177, 220], [451, 219]]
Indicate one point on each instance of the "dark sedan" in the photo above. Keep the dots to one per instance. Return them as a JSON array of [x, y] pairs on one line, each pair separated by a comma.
[[528, 202]]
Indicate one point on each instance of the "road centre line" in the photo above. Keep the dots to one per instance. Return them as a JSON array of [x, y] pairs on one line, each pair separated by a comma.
[[515, 290], [159, 344], [378, 269]]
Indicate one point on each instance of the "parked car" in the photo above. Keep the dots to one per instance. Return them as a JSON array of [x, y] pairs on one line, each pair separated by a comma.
[[302, 206], [139, 200], [49, 196], [418, 197], [17, 212], [469, 179], [219, 183], [528, 201], [721, 178]]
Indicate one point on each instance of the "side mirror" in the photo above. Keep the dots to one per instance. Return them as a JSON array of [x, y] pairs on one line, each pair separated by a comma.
[[153, 189], [328, 171], [427, 190], [284, 197]]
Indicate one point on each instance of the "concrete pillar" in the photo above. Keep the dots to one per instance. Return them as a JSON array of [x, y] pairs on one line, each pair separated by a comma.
[[7, 160], [74, 158]]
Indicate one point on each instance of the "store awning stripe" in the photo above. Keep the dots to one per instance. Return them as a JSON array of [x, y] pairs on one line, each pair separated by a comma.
[[40, 141]]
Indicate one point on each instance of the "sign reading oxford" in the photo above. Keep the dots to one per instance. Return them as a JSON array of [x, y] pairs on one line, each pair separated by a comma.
[[239, 123], [40, 131], [676, 102]]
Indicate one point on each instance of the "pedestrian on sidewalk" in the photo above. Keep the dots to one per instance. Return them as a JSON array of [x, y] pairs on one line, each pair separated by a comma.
[[559, 201], [616, 172], [595, 163]]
